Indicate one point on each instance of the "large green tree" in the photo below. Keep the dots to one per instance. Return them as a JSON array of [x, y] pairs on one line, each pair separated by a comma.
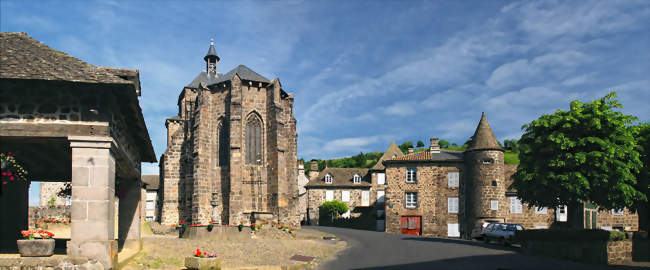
[[586, 154], [643, 144]]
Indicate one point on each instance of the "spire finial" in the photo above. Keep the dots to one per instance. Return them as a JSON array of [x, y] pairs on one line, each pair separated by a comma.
[[212, 42]]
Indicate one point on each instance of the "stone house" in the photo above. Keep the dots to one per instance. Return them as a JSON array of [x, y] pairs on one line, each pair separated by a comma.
[[447, 193], [49, 194], [363, 190], [66, 120], [302, 192], [231, 150], [150, 197]]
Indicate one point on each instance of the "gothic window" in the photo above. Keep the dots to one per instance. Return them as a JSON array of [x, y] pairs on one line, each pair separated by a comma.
[[253, 140], [223, 145]]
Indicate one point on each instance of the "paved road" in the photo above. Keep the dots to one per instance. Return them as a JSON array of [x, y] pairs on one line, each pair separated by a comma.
[[378, 250]]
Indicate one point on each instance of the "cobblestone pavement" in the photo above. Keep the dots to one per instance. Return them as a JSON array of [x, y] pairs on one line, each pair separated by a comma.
[[168, 252]]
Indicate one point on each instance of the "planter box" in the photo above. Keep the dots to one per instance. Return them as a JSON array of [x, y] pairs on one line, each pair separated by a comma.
[[36, 248], [202, 263]]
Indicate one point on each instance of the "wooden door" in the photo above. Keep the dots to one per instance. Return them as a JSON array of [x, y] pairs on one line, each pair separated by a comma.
[[411, 225]]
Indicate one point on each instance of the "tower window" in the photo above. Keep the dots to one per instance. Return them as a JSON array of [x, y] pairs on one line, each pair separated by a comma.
[[487, 161], [224, 152], [253, 140]]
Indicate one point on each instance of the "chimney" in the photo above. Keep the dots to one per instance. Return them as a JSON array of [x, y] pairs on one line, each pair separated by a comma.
[[313, 170], [435, 147], [301, 167], [410, 149]]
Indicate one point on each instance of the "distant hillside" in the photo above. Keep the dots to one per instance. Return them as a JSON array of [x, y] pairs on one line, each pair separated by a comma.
[[367, 160]]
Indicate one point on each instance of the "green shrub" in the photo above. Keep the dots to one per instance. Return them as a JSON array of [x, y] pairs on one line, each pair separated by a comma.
[[330, 210], [570, 235]]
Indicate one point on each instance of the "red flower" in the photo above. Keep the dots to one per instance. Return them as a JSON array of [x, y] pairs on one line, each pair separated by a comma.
[[4, 183], [4, 173], [197, 252], [9, 173]]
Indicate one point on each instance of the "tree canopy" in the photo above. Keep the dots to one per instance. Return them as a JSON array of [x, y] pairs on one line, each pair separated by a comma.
[[332, 209], [586, 154]]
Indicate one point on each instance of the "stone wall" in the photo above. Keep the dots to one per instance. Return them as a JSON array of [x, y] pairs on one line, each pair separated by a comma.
[[433, 193], [39, 213], [49, 191], [600, 252], [608, 220]]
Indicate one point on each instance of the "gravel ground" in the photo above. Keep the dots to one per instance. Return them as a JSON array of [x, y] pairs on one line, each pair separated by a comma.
[[167, 252]]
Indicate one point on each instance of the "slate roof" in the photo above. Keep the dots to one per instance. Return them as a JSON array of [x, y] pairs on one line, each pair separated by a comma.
[[483, 138], [212, 53], [392, 151], [204, 77], [151, 181], [23, 57], [244, 73], [342, 177], [428, 156]]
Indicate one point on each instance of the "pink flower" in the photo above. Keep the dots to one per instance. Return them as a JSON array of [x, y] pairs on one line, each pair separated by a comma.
[[11, 178], [4, 183]]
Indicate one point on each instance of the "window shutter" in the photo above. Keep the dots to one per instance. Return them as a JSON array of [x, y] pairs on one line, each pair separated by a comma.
[[515, 205], [452, 205], [453, 179]]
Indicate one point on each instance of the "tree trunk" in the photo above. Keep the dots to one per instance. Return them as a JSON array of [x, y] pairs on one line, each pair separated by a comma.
[[575, 215]]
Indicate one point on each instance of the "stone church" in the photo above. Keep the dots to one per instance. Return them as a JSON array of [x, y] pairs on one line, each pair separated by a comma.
[[231, 150]]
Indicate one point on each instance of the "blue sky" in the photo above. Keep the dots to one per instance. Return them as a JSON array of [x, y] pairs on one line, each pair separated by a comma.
[[365, 73]]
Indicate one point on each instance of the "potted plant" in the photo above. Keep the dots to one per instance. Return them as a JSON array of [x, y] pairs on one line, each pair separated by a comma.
[[240, 226], [211, 225], [202, 260], [36, 244], [181, 228]]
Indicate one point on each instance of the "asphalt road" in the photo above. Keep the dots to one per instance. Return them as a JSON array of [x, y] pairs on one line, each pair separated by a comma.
[[379, 250]]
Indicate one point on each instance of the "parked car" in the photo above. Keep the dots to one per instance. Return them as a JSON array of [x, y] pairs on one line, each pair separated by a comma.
[[504, 233], [479, 230]]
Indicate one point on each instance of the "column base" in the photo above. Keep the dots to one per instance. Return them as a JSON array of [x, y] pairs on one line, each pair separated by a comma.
[[104, 251]]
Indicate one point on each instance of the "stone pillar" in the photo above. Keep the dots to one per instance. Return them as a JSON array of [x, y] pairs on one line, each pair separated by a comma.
[[93, 200], [130, 213]]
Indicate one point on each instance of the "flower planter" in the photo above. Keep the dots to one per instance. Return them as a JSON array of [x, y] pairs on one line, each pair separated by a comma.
[[36, 248], [202, 263]]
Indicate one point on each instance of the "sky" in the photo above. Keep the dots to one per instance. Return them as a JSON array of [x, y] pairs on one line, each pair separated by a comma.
[[365, 73]]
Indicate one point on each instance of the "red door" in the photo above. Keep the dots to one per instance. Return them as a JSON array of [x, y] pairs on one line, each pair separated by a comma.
[[411, 225]]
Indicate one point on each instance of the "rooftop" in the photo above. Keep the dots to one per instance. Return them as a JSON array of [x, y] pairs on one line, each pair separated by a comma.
[[341, 177]]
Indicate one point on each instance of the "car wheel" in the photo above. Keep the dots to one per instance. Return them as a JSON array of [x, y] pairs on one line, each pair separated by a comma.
[[486, 239], [506, 243]]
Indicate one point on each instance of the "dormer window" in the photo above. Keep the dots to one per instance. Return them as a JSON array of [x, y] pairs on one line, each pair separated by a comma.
[[328, 179], [356, 179]]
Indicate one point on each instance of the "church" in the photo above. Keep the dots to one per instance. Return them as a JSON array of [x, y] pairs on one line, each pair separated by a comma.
[[231, 150]]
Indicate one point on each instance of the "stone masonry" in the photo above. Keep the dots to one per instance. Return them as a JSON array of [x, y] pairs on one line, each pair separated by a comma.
[[231, 150]]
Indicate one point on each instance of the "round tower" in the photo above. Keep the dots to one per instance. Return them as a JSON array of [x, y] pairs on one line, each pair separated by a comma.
[[486, 189]]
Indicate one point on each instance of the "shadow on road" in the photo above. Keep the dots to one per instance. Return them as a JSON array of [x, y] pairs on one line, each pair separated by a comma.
[[463, 242], [500, 262]]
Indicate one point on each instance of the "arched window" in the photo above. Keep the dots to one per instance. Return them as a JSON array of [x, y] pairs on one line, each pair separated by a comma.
[[357, 179], [328, 179], [253, 140], [224, 150]]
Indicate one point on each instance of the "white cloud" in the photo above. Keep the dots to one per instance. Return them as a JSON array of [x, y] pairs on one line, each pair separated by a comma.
[[354, 144], [401, 108]]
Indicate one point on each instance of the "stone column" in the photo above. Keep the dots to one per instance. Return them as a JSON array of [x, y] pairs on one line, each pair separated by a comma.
[[129, 192], [93, 200]]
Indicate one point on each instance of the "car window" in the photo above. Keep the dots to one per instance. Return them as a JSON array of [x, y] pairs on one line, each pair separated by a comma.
[[511, 227]]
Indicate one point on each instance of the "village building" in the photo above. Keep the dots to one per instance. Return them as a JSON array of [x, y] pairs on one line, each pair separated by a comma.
[[150, 197], [302, 192], [447, 193], [231, 150], [362, 190], [66, 120]]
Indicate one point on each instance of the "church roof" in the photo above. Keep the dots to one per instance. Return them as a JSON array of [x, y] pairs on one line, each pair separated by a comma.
[[23, 57], [204, 77], [483, 138], [341, 177], [391, 152], [244, 73]]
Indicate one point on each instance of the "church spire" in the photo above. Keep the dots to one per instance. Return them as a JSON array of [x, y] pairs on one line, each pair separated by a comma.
[[211, 59], [483, 138]]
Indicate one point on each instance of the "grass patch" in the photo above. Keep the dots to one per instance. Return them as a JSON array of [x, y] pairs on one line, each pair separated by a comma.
[[146, 229], [511, 158]]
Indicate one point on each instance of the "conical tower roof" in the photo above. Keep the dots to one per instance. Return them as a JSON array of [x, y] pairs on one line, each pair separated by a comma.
[[392, 151], [212, 53], [483, 138]]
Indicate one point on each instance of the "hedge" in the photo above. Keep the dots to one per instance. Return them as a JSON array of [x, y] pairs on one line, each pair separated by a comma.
[[570, 235]]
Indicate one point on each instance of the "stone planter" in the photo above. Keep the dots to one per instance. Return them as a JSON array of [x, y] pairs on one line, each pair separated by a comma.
[[199, 263], [36, 248]]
